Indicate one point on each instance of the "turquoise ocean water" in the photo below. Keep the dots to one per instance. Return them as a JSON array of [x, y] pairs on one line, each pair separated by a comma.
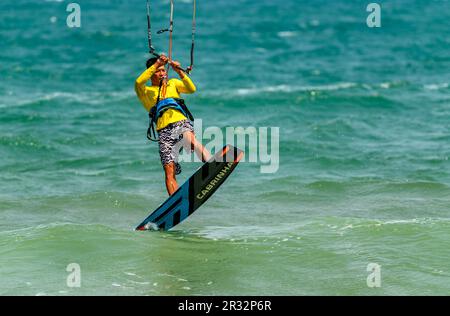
[[364, 175]]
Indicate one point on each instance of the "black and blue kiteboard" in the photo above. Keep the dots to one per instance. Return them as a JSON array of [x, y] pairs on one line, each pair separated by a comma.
[[194, 192]]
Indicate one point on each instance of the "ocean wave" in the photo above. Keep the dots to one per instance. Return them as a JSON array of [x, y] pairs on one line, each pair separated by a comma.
[[290, 89], [328, 185], [416, 186], [345, 223], [91, 98], [338, 162], [285, 196], [37, 99], [335, 126], [288, 34], [437, 86], [320, 227], [37, 229], [24, 142], [375, 89], [230, 93]]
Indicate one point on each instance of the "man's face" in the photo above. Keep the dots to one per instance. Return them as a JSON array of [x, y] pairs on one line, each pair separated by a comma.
[[160, 73]]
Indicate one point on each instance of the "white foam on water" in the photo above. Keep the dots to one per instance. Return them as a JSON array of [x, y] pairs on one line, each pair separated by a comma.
[[437, 86]]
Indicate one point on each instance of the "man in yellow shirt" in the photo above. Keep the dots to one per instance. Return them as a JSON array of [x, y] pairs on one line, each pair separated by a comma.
[[172, 124]]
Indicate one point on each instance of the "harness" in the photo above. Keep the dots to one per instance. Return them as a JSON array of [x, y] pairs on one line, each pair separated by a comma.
[[158, 110]]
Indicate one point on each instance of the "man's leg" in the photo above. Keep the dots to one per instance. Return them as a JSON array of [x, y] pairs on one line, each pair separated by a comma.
[[171, 182], [199, 149]]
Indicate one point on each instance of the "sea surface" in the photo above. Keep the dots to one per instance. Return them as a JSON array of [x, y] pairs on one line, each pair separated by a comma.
[[360, 201]]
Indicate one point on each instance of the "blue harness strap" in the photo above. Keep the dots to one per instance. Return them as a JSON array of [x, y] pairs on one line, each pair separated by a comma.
[[169, 103], [157, 111]]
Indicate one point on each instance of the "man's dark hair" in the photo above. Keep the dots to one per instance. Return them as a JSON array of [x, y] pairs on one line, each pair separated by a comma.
[[150, 62]]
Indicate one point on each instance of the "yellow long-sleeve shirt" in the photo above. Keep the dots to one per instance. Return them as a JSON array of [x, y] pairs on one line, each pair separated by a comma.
[[148, 95]]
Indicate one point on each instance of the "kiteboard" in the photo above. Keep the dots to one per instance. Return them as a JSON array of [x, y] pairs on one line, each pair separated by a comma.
[[195, 191]]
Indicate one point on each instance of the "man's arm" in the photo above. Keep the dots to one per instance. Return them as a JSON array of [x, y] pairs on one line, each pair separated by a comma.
[[186, 85], [139, 85]]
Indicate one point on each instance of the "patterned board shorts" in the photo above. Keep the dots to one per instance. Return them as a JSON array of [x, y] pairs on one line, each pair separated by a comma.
[[170, 142]]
